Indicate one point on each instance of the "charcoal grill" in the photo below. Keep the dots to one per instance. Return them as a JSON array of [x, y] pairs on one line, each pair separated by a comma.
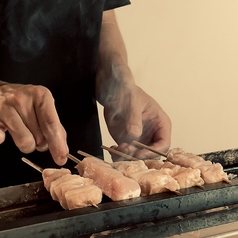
[[28, 211]]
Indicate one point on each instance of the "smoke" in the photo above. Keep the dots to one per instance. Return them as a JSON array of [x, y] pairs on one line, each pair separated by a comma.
[[29, 26]]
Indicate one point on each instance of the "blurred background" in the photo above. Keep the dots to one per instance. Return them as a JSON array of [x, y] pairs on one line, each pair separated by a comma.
[[185, 55]]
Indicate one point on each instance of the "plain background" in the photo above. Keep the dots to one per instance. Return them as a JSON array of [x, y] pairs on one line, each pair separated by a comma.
[[185, 55]]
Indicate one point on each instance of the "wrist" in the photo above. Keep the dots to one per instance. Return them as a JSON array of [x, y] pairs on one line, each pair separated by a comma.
[[112, 83]]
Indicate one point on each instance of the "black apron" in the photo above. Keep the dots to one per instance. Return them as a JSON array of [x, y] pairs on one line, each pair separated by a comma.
[[53, 43]]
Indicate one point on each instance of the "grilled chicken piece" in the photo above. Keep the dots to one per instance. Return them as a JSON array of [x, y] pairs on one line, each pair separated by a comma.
[[112, 182], [49, 175], [210, 172]]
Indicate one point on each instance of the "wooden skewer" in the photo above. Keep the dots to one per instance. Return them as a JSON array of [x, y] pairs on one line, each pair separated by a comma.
[[149, 148], [84, 153], [88, 155], [73, 158], [38, 168], [119, 153]]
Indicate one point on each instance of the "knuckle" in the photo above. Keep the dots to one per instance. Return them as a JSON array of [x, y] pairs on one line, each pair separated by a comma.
[[40, 91], [26, 144]]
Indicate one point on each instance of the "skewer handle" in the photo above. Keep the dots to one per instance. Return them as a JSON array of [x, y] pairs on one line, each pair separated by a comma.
[[119, 153], [148, 148], [73, 158], [88, 155], [38, 168], [84, 153]]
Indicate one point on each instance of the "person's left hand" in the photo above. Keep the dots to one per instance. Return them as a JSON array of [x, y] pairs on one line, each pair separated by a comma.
[[135, 115]]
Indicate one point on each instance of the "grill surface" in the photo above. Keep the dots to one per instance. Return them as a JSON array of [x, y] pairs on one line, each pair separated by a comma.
[[31, 213]]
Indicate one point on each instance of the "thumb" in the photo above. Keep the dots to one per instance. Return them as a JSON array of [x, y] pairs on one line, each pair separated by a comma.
[[3, 130], [134, 123], [2, 136]]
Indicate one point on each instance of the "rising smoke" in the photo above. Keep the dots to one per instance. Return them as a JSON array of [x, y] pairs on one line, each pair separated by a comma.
[[27, 25]]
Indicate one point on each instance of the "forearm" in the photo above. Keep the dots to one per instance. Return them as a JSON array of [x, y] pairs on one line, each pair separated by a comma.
[[113, 71]]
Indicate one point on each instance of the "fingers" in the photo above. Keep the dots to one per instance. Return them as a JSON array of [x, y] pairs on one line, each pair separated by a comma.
[[28, 113], [124, 148], [21, 135], [51, 128], [161, 143], [158, 139], [134, 120]]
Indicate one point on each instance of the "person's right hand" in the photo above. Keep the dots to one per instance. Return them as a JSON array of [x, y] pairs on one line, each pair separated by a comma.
[[28, 113]]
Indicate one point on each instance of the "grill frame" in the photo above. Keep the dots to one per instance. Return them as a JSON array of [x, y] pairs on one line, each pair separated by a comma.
[[113, 215], [31, 211]]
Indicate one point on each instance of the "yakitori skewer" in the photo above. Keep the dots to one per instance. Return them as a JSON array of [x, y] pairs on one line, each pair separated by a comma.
[[97, 163], [84, 153], [72, 197], [149, 148], [129, 157], [38, 168]]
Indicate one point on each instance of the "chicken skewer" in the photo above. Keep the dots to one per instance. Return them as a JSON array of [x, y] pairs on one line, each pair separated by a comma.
[[186, 177], [112, 182], [70, 190], [210, 172], [151, 181]]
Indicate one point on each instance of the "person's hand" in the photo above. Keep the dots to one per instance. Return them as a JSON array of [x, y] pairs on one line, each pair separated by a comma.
[[28, 113], [134, 115]]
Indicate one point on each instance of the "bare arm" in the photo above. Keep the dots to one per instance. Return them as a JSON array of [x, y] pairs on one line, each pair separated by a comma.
[[130, 113], [112, 59]]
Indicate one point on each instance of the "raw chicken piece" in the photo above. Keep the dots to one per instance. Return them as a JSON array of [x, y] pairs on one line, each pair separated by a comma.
[[214, 174], [154, 163], [189, 177], [154, 181], [75, 181], [112, 182], [65, 188], [186, 177], [211, 173], [129, 167], [59, 181], [175, 169], [89, 195], [49, 175]]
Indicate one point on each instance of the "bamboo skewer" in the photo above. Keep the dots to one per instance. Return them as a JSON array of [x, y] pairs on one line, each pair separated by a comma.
[[73, 158], [76, 160], [38, 168], [149, 148], [84, 153], [129, 157]]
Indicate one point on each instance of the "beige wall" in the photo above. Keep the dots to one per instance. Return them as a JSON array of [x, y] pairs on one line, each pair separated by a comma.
[[185, 54]]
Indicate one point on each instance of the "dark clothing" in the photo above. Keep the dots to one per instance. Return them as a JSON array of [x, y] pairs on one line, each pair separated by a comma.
[[53, 43]]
